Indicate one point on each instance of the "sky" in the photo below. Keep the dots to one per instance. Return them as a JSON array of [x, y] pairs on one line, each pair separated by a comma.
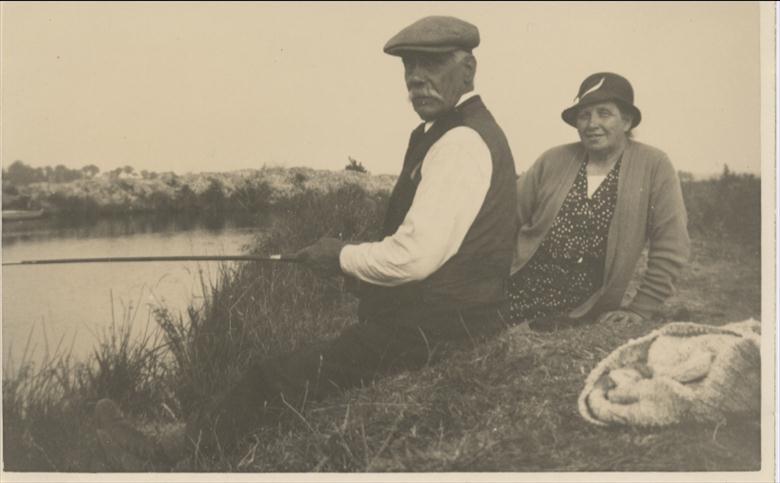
[[191, 87]]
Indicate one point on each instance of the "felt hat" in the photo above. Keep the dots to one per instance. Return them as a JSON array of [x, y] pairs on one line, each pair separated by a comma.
[[603, 87], [435, 34]]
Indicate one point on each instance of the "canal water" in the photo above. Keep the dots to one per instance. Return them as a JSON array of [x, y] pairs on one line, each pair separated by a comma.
[[72, 306]]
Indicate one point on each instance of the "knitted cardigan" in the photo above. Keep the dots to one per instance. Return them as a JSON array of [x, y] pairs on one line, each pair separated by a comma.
[[649, 208]]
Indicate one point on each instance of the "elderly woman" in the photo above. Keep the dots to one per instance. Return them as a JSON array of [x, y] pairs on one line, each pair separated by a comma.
[[586, 211]]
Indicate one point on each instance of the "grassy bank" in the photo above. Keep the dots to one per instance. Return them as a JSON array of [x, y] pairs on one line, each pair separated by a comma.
[[508, 404]]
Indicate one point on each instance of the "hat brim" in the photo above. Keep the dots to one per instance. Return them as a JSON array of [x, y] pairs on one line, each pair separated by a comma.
[[569, 115], [401, 50]]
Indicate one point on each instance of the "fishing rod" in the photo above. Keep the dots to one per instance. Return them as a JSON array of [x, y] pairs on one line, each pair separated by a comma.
[[181, 258]]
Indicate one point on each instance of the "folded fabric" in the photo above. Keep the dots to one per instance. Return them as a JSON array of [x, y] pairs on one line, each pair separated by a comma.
[[682, 371]]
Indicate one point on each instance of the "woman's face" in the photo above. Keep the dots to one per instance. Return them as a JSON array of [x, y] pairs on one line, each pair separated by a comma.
[[602, 127]]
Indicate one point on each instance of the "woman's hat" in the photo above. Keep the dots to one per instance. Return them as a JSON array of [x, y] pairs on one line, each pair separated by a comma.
[[603, 87]]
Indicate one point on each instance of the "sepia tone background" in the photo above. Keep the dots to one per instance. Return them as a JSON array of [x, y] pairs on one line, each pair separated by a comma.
[[215, 87], [206, 87]]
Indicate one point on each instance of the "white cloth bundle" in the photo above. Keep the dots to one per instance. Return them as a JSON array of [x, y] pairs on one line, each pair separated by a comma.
[[682, 371]]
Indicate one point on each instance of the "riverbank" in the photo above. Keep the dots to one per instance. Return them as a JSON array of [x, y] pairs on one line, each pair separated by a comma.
[[508, 404], [715, 205], [214, 193]]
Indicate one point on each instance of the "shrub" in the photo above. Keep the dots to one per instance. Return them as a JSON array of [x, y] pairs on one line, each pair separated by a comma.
[[252, 197], [727, 206], [159, 201], [299, 180], [355, 165], [186, 199], [73, 206], [212, 200]]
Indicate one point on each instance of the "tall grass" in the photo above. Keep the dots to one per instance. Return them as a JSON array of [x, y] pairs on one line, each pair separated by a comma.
[[47, 405], [252, 311], [725, 206], [258, 310]]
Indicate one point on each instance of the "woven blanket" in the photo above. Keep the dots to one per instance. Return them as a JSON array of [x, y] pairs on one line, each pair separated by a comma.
[[681, 372]]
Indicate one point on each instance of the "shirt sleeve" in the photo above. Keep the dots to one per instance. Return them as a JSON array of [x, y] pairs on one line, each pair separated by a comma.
[[455, 178]]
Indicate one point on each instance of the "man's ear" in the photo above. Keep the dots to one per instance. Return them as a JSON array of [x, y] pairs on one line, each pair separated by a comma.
[[470, 66]]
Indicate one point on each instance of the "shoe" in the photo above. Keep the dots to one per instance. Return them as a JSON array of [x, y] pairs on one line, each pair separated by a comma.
[[124, 447]]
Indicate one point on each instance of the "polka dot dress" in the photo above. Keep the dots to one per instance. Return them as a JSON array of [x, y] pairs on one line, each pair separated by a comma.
[[568, 267]]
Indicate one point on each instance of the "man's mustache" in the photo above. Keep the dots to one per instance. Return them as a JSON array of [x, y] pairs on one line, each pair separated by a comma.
[[428, 93]]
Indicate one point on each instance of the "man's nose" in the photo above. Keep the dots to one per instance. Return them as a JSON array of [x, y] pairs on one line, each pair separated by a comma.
[[413, 82], [414, 76]]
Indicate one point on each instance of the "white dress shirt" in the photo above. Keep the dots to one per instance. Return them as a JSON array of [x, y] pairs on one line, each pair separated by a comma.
[[455, 178]]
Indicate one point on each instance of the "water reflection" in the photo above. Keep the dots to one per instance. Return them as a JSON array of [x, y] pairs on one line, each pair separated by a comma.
[[79, 300], [105, 227]]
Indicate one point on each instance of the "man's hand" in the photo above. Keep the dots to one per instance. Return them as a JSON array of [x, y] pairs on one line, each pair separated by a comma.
[[615, 316], [322, 256]]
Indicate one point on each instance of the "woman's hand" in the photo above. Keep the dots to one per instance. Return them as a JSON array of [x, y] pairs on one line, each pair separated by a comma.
[[615, 316]]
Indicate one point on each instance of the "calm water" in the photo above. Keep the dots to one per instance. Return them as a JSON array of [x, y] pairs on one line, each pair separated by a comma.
[[76, 303]]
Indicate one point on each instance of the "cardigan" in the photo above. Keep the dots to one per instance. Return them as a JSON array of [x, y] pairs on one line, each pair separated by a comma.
[[568, 266], [649, 207]]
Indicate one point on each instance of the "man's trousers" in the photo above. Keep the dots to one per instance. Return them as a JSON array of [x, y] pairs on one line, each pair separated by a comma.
[[378, 346]]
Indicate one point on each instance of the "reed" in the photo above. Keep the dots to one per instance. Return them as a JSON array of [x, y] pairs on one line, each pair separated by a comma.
[[48, 402], [260, 310]]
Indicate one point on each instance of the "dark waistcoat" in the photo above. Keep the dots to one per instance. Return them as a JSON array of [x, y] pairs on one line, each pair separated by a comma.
[[476, 275]]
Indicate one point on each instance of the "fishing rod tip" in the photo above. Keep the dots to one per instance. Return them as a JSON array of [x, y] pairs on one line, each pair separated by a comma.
[[283, 257]]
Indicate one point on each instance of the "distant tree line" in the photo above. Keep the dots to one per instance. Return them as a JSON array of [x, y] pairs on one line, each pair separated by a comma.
[[20, 174], [728, 205]]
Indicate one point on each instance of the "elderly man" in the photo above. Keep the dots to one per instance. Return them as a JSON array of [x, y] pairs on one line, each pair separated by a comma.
[[438, 274]]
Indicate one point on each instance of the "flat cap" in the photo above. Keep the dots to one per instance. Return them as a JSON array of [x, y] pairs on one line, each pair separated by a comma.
[[434, 34]]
